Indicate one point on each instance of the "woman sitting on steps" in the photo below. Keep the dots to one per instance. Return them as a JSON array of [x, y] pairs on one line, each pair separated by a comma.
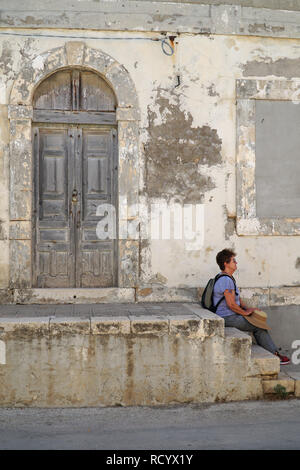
[[234, 311]]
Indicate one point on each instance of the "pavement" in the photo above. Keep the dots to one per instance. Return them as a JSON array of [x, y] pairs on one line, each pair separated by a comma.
[[251, 425]]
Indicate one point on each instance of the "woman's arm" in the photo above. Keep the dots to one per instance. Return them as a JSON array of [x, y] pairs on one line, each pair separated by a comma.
[[230, 301]]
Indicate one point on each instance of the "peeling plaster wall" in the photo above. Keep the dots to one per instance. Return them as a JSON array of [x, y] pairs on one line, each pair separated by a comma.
[[187, 144], [209, 67]]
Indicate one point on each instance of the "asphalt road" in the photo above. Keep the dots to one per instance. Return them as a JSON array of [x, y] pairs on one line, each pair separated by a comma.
[[240, 425]]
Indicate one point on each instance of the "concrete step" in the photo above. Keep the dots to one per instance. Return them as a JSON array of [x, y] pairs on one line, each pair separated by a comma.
[[283, 379], [295, 376], [212, 324], [234, 333], [264, 363], [176, 355], [237, 345]]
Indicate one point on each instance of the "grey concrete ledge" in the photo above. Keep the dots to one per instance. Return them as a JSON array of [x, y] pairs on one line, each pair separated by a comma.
[[179, 319], [149, 16]]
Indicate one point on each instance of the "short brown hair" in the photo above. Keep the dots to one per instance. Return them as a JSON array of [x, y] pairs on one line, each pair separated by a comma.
[[224, 256]]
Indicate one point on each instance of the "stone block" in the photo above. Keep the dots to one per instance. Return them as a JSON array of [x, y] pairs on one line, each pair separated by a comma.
[[129, 261], [24, 329], [20, 135], [20, 156], [253, 388], [128, 134], [283, 379], [237, 347], [96, 59], [55, 59], [20, 205], [152, 324], [124, 87], [297, 386], [6, 295], [69, 325], [263, 362], [110, 325], [20, 268], [211, 324], [295, 376], [20, 230], [75, 52], [20, 173], [188, 325], [127, 114], [20, 112]]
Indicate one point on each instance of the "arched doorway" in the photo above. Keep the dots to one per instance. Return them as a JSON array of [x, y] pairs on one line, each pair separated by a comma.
[[75, 170], [70, 56]]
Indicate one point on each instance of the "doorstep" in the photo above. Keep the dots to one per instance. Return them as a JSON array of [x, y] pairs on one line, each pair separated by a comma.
[[74, 295], [31, 296]]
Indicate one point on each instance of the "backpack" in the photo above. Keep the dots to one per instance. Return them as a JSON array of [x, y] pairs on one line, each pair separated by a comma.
[[207, 296]]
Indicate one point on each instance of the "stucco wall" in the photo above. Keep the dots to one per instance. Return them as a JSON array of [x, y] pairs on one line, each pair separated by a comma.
[[187, 149]]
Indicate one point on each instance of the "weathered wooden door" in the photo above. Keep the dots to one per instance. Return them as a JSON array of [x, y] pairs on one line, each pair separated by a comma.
[[75, 172]]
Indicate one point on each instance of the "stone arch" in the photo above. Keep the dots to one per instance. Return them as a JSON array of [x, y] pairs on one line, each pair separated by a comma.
[[72, 54]]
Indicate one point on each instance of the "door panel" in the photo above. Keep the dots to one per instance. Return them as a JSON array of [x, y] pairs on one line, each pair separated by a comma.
[[55, 92], [96, 257], [95, 93], [74, 173], [54, 254], [75, 91]]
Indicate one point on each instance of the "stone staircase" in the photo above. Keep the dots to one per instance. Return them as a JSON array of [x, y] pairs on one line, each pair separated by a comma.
[[130, 354], [266, 367]]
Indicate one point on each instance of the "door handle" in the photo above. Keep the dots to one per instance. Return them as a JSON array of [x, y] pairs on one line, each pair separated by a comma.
[[74, 196]]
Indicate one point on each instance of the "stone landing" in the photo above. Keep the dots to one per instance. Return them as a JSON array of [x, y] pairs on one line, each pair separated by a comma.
[[128, 354]]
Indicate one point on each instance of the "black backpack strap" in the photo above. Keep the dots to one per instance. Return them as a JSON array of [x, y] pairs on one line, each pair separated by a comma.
[[218, 303], [221, 275], [218, 276]]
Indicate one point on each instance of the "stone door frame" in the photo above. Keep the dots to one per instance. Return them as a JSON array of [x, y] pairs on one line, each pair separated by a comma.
[[20, 112]]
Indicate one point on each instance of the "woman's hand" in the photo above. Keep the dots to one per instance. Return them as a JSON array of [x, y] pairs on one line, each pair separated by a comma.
[[248, 311]]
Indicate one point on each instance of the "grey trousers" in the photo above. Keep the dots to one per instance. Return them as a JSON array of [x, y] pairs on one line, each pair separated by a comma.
[[261, 336]]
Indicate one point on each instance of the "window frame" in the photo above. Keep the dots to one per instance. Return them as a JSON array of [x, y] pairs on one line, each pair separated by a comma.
[[247, 92]]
